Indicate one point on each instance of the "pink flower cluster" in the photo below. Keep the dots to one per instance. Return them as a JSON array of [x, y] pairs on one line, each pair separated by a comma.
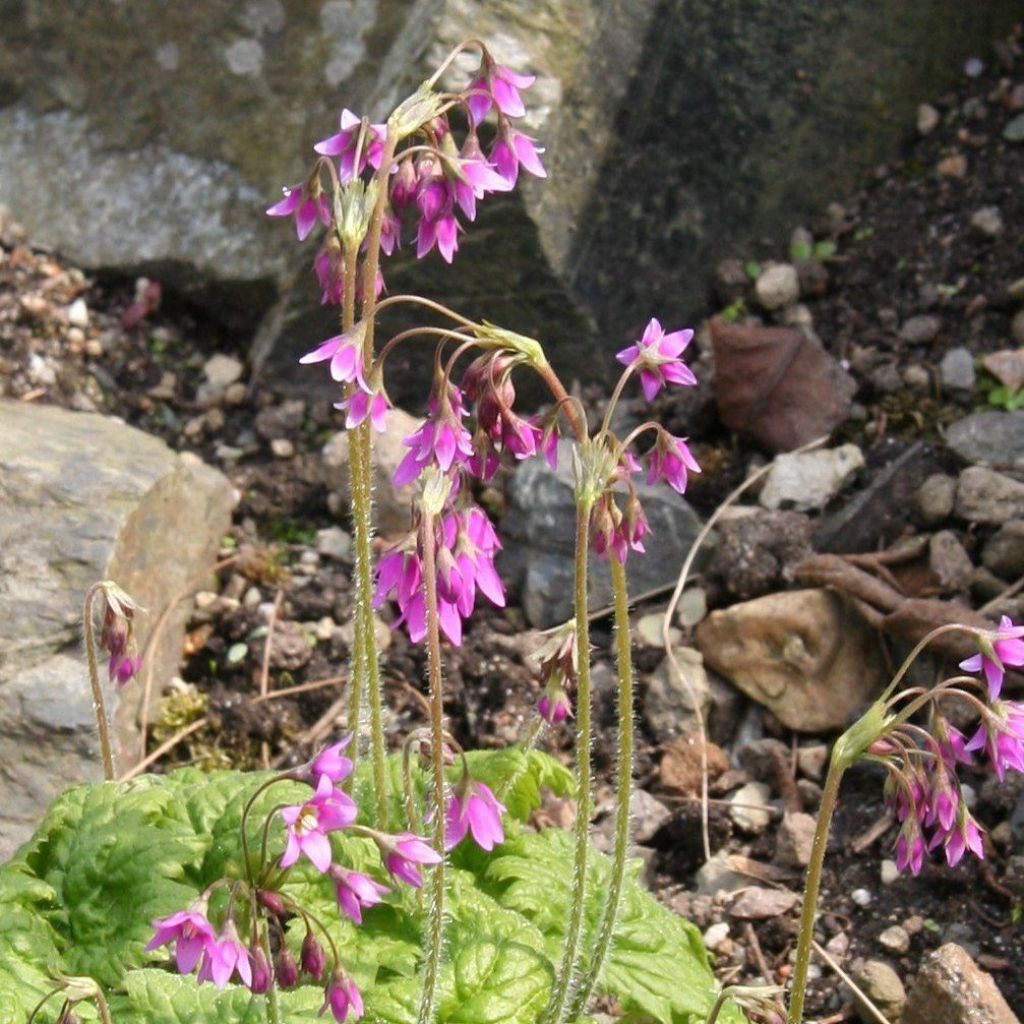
[[466, 545], [922, 789]]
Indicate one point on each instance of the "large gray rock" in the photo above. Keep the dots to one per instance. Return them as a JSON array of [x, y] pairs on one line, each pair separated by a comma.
[[85, 498], [952, 989], [184, 121], [989, 439], [538, 531]]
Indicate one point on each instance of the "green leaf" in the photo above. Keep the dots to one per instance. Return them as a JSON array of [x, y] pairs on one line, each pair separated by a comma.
[[495, 981], [158, 997], [656, 965]]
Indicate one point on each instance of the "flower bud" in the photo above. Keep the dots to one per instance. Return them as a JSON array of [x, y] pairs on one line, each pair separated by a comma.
[[285, 969], [313, 958], [261, 976], [273, 901]]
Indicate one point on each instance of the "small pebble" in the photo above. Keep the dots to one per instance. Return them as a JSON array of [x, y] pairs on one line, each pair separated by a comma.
[[716, 935], [894, 940], [889, 872], [988, 221], [78, 314], [861, 897], [282, 448], [927, 119], [252, 598]]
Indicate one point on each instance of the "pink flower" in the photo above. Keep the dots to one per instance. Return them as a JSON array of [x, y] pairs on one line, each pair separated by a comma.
[[618, 531], [513, 150], [355, 891], [309, 823], [498, 86], [330, 272], [306, 209], [189, 930], [1003, 646], [345, 351], [343, 145], [476, 810], [225, 955], [1001, 736], [669, 461], [959, 838], [656, 357], [403, 853], [399, 573], [117, 635], [910, 847], [554, 707], [442, 440], [342, 998], [332, 763], [286, 970], [364, 404], [474, 177]]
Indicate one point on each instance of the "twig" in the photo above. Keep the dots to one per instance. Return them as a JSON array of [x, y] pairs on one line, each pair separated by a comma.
[[164, 747], [265, 665], [293, 691], [1012, 589], [755, 948], [666, 626], [850, 983], [873, 833]]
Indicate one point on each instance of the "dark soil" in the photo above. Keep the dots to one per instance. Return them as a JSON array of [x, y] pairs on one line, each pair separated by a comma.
[[902, 247]]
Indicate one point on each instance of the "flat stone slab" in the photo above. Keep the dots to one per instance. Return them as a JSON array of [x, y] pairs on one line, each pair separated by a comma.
[[85, 497]]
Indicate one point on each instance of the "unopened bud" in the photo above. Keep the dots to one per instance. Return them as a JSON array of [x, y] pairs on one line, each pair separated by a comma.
[[313, 958], [273, 901], [285, 969], [261, 976]]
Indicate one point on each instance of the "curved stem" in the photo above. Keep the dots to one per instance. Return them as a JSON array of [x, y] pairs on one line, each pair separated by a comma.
[[555, 1012], [273, 1012], [101, 1005], [245, 820], [837, 767], [564, 400], [98, 703], [444, 333], [437, 307], [266, 837], [952, 627], [614, 401], [624, 789], [435, 926]]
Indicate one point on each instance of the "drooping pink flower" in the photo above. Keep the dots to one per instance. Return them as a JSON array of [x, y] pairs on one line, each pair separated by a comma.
[[474, 810], [365, 403], [305, 207], [342, 998], [962, 835], [286, 970], [330, 272], [345, 351], [343, 145], [513, 150], [910, 847], [225, 955], [442, 440], [189, 930], [618, 531], [1003, 646], [669, 461], [403, 853], [309, 823], [1001, 736], [656, 358], [355, 891], [474, 177], [117, 635], [554, 707], [498, 86]]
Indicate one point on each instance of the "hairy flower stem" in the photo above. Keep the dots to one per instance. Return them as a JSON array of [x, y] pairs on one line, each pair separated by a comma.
[[556, 1010], [840, 761], [624, 789], [435, 926], [273, 1012], [98, 703]]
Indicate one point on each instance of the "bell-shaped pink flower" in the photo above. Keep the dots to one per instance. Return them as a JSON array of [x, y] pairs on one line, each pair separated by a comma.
[[224, 956], [1001, 736], [513, 150], [404, 853], [474, 809], [355, 891], [670, 459], [365, 404], [304, 207], [345, 352], [342, 998], [498, 86], [190, 931]]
